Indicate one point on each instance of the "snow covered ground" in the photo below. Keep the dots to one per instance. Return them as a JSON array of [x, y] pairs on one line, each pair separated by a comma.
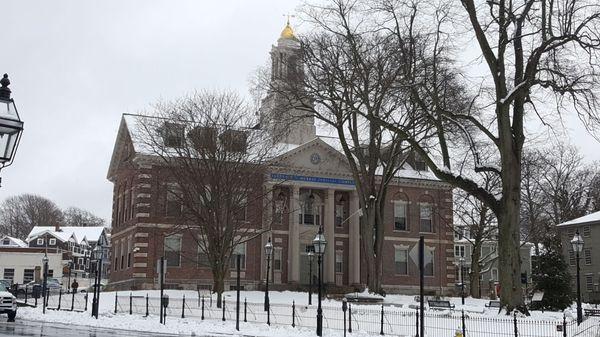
[[399, 316]]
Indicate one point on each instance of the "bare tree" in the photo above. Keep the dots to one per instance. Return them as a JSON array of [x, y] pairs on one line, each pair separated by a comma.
[[531, 49], [20, 213], [215, 165], [77, 217]]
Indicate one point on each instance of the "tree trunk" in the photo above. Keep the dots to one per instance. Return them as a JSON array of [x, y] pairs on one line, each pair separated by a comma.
[[511, 293], [372, 259], [219, 286], [475, 271]]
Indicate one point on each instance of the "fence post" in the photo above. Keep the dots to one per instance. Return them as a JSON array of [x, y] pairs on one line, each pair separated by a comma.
[[147, 300], [223, 309], [202, 317], [293, 314], [183, 307], [47, 296], [35, 298], [116, 300], [463, 322], [417, 326], [245, 309], [130, 303], [72, 301], [564, 325], [86, 302], [59, 298], [381, 330], [349, 317], [25, 293], [515, 320]]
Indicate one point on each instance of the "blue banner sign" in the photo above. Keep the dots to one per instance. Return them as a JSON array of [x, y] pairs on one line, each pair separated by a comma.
[[282, 176]]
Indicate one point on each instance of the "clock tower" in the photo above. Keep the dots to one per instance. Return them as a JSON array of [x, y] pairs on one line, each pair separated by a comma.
[[284, 112]]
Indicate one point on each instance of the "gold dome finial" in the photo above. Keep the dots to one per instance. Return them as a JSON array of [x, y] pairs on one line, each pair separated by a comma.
[[288, 32]]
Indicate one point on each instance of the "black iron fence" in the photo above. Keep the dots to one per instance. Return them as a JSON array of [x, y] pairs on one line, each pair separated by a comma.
[[383, 320], [54, 299]]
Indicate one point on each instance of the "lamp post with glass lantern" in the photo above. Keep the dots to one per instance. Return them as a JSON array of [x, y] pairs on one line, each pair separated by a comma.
[[11, 126], [98, 253], [319, 244], [45, 282], [462, 279], [577, 245], [268, 252], [311, 256]]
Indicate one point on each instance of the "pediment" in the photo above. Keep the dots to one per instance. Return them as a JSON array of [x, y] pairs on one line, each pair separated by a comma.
[[315, 155]]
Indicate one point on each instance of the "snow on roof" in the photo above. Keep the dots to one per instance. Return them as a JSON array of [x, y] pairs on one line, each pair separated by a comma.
[[15, 241], [91, 234], [593, 217]]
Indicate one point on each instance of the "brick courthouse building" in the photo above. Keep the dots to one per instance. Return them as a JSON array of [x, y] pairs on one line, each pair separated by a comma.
[[311, 176]]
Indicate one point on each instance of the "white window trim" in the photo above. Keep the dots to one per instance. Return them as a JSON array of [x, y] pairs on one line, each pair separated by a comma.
[[165, 248], [40, 241], [421, 204], [52, 242], [405, 203], [405, 249]]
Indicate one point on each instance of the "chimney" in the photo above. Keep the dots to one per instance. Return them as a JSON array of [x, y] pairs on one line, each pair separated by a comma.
[[57, 227]]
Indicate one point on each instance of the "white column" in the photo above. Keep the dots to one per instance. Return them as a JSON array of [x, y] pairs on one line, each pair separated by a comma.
[[354, 240], [294, 237], [328, 230]]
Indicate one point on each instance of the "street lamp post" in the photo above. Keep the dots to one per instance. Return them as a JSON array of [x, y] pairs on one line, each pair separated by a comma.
[[319, 244], [462, 279], [70, 266], [577, 245], [11, 126], [98, 253], [268, 252], [45, 282], [311, 256]]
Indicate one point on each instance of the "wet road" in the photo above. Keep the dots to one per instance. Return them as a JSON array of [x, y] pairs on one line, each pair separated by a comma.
[[40, 329]]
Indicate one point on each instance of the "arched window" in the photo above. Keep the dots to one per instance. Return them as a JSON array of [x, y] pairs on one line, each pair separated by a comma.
[[310, 208]]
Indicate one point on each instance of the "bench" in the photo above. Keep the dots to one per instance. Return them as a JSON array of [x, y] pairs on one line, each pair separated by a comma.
[[437, 304], [493, 304], [591, 312]]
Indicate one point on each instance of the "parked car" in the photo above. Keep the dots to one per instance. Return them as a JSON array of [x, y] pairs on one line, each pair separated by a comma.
[[6, 283], [8, 303], [52, 284]]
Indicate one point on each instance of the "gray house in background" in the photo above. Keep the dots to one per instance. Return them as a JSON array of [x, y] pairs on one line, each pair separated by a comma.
[[488, 278], [589, 229]]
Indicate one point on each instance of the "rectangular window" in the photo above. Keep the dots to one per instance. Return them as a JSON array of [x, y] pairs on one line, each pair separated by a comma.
[[587, 254], [278, 212], [277, 254], [116, 263], [202, 256], [458, 233], [401, 261], [399, 216], [9, 274], [425, 216], [173, 200], [6, 242], [339, 215], [240, 249], [173, 134], [52, 242], [339, 261], [494, 274], [40, 242], [587, 231], [241, 210], [572, 258], [28, 275], [589, 282], [172, 250], [459, 251], [50, 272], [429, 262]]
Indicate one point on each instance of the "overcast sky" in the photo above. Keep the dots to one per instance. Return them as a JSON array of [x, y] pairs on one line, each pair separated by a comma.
[[76, 66]]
